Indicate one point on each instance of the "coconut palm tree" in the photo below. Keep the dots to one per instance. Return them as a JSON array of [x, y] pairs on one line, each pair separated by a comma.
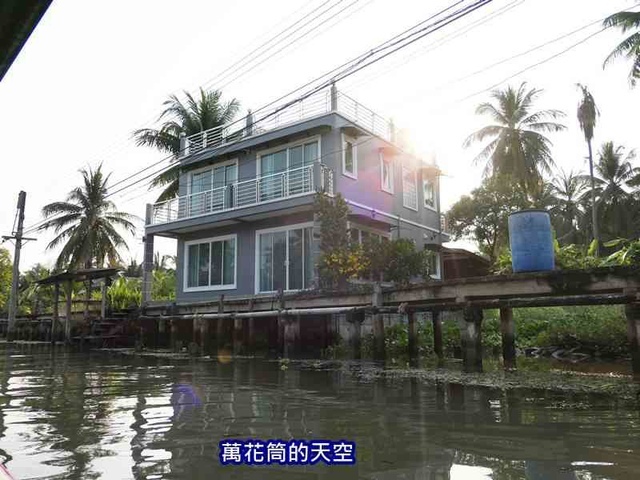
[[630, 46], [518, 148], [615, 200], [190, 117], [566, 209], [86, 224], [587, 115]]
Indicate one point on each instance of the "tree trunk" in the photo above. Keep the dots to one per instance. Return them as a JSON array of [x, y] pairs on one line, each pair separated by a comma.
[[594, 209]]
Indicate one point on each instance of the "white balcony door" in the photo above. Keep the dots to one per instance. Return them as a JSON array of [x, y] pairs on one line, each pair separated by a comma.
[[272, 168], [282, 171]]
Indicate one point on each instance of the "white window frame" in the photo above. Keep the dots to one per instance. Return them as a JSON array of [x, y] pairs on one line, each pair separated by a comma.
[[404, 190], [438, 274], [185, 279], [435, 196], [287, 146], [284, 228], [364, 228], [391, 173], [345, 172], [233, 161]]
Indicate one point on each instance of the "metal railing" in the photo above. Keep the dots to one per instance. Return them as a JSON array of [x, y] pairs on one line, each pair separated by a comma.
[[317, 104], [246, 193]]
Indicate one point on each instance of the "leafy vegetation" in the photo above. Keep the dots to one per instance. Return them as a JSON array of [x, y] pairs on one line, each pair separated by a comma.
[[193, 116], [342, 259], [5, 279], [630, 46]]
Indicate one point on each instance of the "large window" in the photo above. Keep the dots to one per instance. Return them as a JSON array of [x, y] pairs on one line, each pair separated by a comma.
[[211, 264], [409, 188], [434, 264], [289, 162], [429, 193], [386, 173], [360, 236], [349, 157], [206, 188], [284, 259]]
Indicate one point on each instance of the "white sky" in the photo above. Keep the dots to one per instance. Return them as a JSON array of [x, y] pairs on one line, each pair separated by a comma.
[[94, 71]]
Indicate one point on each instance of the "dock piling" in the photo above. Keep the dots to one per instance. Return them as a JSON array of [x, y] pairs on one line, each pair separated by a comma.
[[412, 331], [507, 329], [471, 337], [632, 312], [437, 334]]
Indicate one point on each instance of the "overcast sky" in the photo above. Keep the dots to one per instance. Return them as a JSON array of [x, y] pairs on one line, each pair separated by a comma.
[[94, 71]]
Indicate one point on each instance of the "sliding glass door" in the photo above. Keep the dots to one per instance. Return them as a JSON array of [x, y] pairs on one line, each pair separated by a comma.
[[207, 189], [282, 171], [285, 260]]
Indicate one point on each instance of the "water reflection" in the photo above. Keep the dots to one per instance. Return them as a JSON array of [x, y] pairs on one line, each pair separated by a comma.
[[79, 415]]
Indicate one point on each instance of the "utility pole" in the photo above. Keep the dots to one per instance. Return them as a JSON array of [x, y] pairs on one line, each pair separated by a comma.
[[16, 235]]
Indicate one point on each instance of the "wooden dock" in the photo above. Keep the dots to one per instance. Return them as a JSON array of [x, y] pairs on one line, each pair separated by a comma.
[[601, 286]]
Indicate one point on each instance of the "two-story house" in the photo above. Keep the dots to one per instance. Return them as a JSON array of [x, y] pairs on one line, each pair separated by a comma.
[[244, 218]]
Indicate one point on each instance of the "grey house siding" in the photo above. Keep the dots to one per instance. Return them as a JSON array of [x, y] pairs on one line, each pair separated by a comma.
[[245, 255]]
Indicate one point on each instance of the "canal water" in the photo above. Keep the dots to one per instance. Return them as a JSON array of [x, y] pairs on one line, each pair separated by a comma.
[[84, 415]]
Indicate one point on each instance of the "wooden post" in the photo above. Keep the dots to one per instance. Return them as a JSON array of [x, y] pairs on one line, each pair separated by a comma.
[[378, 324], [237, 336], [67, 321], [632, 312], [507, 329], [437, 334], [280, 325], [56, 316], [291, 334], [220, 324], [412, 331], [251, 334], [103, 302], [471, 337]]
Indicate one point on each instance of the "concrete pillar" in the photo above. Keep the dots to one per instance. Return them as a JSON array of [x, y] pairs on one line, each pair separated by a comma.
[[173, 332], [437, 334], [412, 330], [354, 326], [251, 334], [334, 97], [507, 329], [280, 325], [147, 260], [471, 336], [237, 336], [249, 124], [104, 301], [378, 325], [291, 335], [632, 312], [220, 340], [184, 145], [205, 343]]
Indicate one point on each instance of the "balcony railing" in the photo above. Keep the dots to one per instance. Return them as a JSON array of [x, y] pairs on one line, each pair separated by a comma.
[[256, 191], [317, 104]]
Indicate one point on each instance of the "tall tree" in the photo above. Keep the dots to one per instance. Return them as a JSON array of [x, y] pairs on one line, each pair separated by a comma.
[[566, 211], [587, 117], [518, 148], [630, 46], [618, 209], [190, 117], [86, 224], [483, 215]]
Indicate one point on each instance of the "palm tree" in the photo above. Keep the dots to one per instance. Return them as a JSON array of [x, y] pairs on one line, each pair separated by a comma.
[[85, 224], [566, 209], [616, 203], [518, 147], [193, 116], [587, 115], [630, 46]]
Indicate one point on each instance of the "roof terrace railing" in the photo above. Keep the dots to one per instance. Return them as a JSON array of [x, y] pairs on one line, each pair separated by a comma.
[[320, 103]]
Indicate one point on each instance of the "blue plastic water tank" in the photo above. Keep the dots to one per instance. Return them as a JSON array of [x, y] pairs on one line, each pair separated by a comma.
[[531, 241]]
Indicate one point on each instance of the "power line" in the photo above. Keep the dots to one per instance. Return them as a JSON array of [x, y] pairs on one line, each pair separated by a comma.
[[436, 44], [351, 67], [396, 43]]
